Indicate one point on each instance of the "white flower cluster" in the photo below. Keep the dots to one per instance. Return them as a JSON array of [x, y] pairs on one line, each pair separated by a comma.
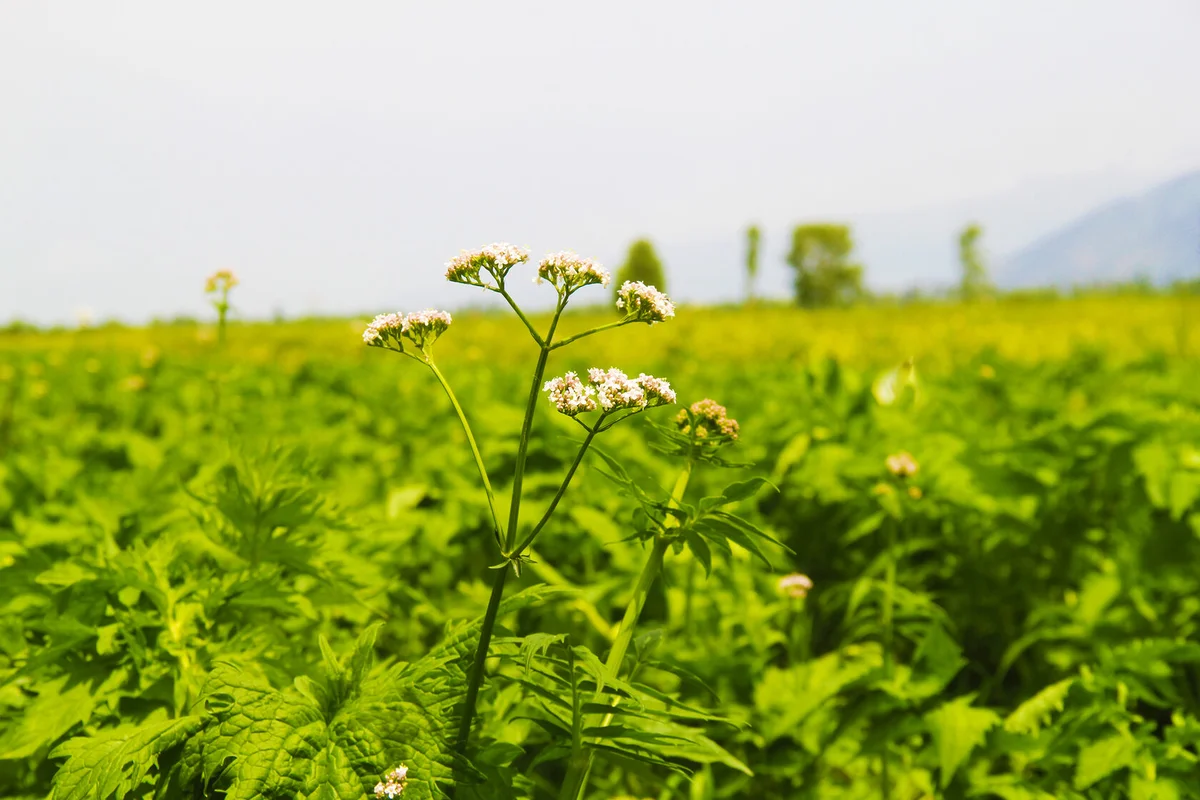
[[644, 303], [497, 258], [607, 390], [393, 783], [567, 271], [422, 328]]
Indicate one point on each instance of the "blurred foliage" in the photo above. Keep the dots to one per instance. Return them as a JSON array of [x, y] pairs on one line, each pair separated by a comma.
[[641, 264], [825, 276], [975, 283]]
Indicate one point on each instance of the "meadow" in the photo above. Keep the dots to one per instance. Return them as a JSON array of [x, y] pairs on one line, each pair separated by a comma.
[[259, 567]]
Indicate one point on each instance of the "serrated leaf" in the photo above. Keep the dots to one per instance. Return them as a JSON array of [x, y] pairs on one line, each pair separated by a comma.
[[1100, 759], [958, 729], [116, 761], [1030, 716]]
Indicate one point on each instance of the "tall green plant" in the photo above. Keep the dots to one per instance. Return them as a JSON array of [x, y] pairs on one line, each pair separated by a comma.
[[219, 284], [612, 395]]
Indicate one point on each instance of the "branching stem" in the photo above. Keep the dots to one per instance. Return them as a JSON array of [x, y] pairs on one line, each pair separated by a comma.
[[466, 426]]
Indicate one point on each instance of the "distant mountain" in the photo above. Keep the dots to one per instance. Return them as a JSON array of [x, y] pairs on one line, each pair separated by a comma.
[[1155, 235], [901, 248]]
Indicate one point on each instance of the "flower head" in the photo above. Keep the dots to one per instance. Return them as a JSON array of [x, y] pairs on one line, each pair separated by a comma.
[[607, 390], [421, 328], [570, 395], [567, 271], [644, 303], [222, 280], [496, 259], [902, 465], [795, 585], [393, 783], [707, 419], [424, 327]]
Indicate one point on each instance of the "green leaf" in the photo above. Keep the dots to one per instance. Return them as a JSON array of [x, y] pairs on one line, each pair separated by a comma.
[[56, 710], [115, 761], [1035, 712], [957, 730], [1100, 759], [700, 550]]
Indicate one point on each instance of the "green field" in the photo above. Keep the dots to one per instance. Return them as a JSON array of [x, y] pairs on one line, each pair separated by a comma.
[[257, 568]]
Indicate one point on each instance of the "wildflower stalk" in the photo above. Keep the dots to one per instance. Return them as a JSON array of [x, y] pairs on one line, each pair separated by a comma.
[[581, 762], [537, 337], [220, 283], [598, 329], [562, 489], [478, 666], [466, 426]]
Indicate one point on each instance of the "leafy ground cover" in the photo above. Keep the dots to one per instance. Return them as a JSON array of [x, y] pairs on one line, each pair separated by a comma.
[[258, 569]]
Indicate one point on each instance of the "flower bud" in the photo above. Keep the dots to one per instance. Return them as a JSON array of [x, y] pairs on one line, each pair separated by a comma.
[[708, 420]]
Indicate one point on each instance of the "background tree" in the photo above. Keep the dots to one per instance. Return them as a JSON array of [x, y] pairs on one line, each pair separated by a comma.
[[641, 264], [825, 276], [753, 235], [975, 283]]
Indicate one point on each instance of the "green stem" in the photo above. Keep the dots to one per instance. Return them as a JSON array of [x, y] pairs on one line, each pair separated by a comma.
[[489, 618], [535, 387], [537, 337], [887, 614], [480, 663], [562, 489], [581, 763], [578, 336], [462, 417]]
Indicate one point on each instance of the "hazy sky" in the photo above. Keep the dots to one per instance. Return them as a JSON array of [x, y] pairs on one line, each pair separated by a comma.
[[336, 154]]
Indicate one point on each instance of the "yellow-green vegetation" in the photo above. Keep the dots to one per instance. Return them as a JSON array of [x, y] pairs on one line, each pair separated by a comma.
[[258, 568]]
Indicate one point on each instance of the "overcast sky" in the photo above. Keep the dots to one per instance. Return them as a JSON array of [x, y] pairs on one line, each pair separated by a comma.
[[336, 154]]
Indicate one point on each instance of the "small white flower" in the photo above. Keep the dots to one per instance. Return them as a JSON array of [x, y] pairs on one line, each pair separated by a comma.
[[393, 784], [644, 303], [607, 390], [568, 271], [569, 395], [658, 391], [497, 259], [614, 389], [422, 328], [795, 585], [383, 328]]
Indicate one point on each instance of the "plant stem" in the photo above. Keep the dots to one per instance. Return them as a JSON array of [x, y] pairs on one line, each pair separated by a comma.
[[562, 489], [887, 613], [578, 336], [535, 387], [537, 337], [480, 663], [581, 763], [489, 618], [462, 417]]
